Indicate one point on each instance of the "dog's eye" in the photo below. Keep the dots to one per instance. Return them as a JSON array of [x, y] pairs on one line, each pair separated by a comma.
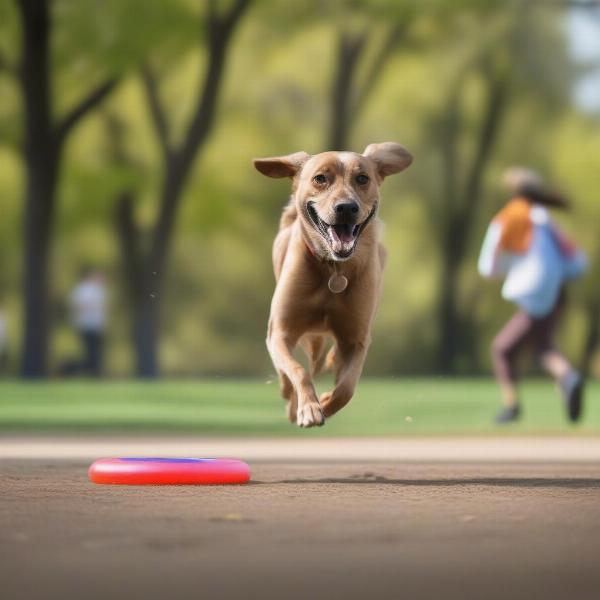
[[362, 179], [320, 179]]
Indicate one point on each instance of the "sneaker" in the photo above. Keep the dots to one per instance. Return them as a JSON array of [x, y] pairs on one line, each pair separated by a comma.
[[508, 415], [571, 387]]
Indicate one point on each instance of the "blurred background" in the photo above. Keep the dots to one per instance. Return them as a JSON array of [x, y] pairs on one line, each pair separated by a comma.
[[127, 130]]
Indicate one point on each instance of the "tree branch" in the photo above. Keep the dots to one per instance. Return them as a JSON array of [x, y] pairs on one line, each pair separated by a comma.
[[158, 114], [449, 127], [230, 20], [220, 29], [211, 10], [350, 47], [464, 215], [93, 98], [497, 98], [385, 51]]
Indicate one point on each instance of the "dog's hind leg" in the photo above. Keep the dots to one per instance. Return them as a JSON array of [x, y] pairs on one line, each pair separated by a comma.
[[314, 347], [288, 393], [350, 358], [331, 359]]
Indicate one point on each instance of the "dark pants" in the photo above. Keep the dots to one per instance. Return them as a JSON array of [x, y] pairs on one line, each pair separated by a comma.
[[521, 331], [92, 342], [91, 363]]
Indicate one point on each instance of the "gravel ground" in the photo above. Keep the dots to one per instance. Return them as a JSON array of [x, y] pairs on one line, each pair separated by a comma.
[[305, 530]]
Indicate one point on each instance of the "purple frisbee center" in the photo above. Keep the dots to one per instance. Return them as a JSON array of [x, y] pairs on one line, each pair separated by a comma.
[[167, 460]]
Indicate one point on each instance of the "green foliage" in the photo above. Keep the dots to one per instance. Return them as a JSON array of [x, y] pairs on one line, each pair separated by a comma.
[[120, 35], [274, 101]]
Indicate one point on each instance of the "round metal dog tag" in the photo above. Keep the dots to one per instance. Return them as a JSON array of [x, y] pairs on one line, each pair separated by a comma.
[[337, 283]]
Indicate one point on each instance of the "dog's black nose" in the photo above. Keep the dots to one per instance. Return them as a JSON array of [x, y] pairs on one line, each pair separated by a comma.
[[346, 210]]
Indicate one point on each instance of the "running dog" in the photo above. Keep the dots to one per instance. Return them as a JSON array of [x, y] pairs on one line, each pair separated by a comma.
[[328, 263]]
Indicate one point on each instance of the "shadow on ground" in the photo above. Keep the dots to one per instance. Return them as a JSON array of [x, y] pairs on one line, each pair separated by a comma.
[[372, 479]]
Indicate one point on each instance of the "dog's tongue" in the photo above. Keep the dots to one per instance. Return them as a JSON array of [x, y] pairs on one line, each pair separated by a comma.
[[342, 237], [344, 232]]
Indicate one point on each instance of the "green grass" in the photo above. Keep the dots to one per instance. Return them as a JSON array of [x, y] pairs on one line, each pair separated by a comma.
[[249, 407]]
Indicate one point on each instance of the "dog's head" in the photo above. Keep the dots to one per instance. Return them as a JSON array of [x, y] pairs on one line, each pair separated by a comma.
[[337, 193]]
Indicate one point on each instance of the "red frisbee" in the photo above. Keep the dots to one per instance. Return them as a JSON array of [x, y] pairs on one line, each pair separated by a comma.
[[169, 471]]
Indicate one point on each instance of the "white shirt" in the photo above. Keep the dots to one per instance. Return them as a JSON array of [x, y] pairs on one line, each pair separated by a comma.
[[88, 302], [533, 279]]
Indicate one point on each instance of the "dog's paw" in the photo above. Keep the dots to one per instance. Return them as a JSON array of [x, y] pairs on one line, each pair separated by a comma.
[[310, 415]]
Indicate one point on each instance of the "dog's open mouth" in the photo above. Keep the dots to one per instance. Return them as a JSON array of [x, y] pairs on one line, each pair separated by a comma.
[[341, 237]]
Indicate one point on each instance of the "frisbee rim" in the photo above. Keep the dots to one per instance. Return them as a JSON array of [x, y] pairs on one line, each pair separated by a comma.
[[134, 470]]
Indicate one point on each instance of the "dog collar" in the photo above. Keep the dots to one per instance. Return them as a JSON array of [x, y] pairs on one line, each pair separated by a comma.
[[336, 283]]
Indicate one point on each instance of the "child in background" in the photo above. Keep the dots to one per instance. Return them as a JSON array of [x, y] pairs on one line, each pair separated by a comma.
[[525, 247], [89, 304]]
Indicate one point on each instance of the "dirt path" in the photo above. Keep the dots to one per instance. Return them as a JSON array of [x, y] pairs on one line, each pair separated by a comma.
[[334, 530], [451, 449]]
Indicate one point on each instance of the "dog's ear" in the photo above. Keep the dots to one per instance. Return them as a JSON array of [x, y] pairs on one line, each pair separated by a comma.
[[389, 157], [281, 166]]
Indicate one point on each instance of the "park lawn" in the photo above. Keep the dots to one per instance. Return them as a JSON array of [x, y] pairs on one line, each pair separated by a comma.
[[225, 407]]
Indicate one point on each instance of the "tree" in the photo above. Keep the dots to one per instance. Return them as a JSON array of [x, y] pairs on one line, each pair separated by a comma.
[[505, 56], [461, 196], [592, 335], [145, 263], [592, 305], [348, 94], [45, 138]]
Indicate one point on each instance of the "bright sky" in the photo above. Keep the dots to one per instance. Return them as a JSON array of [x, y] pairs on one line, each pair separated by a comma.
[[583, 27]]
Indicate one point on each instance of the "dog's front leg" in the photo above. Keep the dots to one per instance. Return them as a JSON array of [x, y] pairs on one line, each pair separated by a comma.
[[280, 348], [351, 358]]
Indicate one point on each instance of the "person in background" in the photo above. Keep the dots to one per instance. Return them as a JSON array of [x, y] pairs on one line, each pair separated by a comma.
[[88, 304], [526, 248]]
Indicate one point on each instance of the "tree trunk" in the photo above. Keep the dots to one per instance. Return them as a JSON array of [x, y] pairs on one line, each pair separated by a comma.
[[39, 214], [350, 49], [348, 96], [43, 146], [148, 286], [178, 163], [145, 334], [457, 226], [41, 166], [143, 298], [592, 339], [449, 314]]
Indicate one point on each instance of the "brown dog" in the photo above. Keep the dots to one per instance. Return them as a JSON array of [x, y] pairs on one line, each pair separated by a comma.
[[328, 265]]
